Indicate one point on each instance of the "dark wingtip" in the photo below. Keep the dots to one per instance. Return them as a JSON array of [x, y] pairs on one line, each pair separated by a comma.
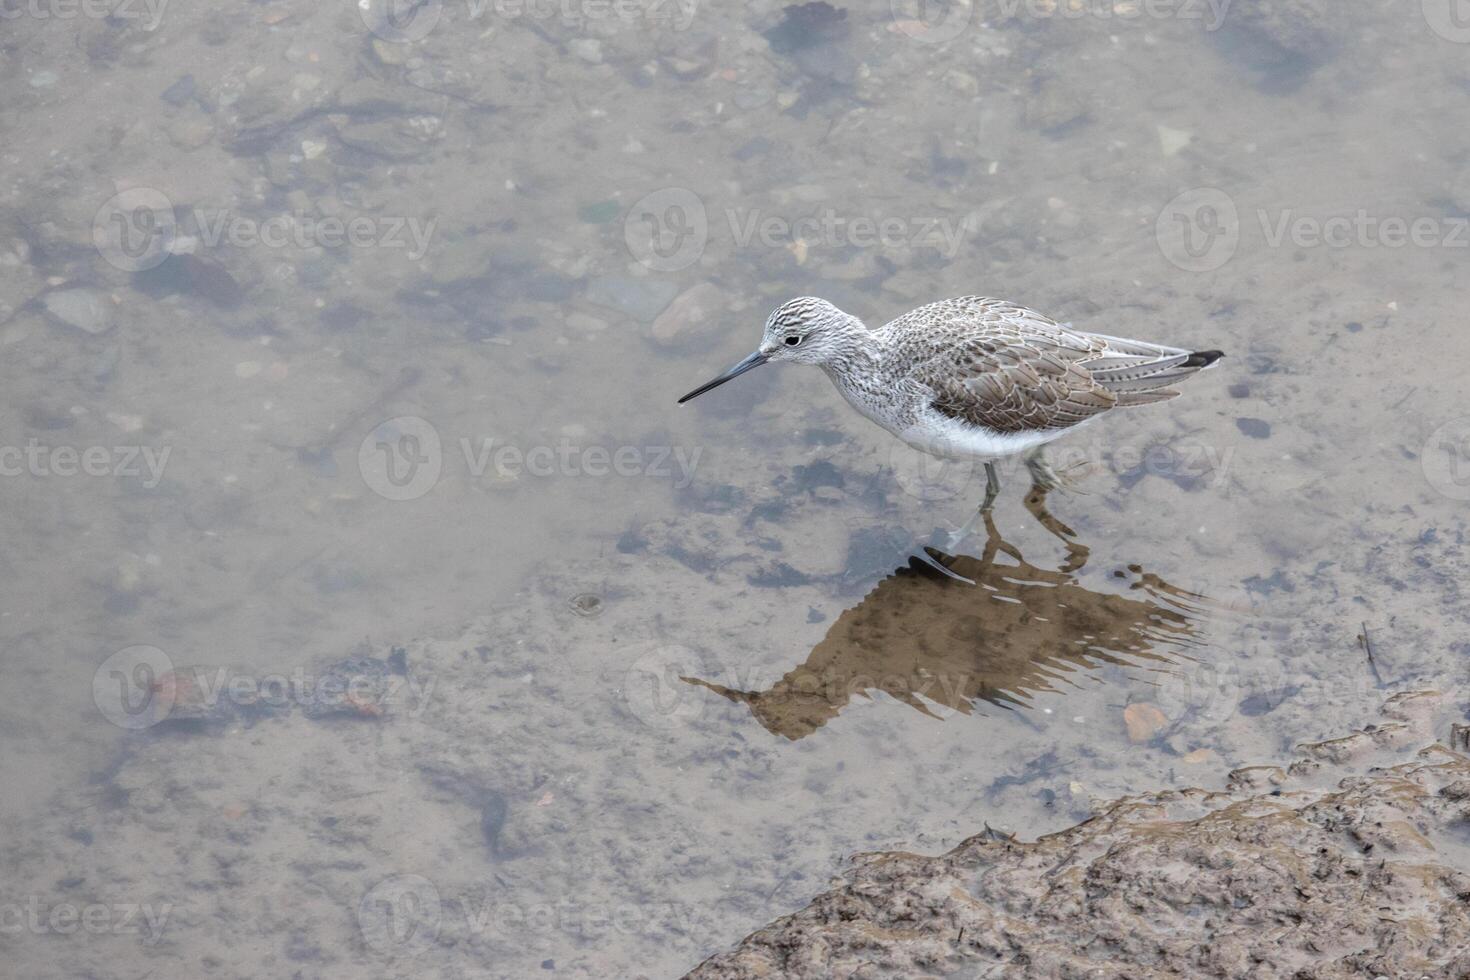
[[1203, 358]]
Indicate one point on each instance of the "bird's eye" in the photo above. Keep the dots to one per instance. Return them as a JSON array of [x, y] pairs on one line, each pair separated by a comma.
[[793, 340]]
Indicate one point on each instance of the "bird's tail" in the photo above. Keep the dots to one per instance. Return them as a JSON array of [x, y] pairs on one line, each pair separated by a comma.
[[1140, 374]]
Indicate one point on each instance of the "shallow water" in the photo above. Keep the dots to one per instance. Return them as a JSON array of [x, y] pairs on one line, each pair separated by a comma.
[[321, 343]]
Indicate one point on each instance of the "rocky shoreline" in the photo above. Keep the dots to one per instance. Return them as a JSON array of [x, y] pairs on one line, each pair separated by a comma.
[[1337, 865]]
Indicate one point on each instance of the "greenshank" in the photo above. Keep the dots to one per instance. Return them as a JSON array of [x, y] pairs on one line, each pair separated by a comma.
[[973, 378]]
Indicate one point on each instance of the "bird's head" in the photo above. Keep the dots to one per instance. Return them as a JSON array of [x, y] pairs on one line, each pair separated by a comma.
[[807, 330]]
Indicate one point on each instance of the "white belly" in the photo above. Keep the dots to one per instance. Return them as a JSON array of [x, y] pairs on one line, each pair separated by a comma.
[[940, 435]]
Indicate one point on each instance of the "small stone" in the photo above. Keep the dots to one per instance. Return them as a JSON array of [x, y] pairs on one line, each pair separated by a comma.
[[589, 49], [583, 321], [389, 53], [695, 311], [599, 212], [44, 79], [84, 309], [685, 69], [1144, 721], [1199, 756], [180, 92], [247, 369], [962, 82], [693, 62], [1255, 428], [751, 97], [311, 149], [191, 132], [127, 423], [1171, 140]]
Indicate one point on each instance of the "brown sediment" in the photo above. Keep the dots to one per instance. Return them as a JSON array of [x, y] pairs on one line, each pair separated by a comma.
[[1310, 873]]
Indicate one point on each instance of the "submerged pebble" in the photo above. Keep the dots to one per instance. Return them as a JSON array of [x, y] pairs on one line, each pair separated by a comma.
[[84, 309]]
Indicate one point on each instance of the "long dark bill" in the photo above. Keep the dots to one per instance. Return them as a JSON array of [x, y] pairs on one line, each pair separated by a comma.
[[753, 361]]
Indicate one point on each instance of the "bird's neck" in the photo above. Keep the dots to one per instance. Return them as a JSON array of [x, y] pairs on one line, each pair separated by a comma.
[[857, 358]]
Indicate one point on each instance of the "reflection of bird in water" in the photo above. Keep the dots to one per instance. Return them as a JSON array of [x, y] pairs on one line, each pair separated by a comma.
[[990, 630]]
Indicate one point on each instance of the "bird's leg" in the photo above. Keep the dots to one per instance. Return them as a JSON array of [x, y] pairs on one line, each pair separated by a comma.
[[992, 486], [992, 489], [1043, 477]]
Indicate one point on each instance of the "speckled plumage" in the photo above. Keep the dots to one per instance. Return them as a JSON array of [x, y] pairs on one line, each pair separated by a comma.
[[973, 377]]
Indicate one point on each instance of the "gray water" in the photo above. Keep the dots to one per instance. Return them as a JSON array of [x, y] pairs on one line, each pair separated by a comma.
[[372, 609]]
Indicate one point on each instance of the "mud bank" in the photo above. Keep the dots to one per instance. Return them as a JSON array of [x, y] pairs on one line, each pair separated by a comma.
[[1346, 863]]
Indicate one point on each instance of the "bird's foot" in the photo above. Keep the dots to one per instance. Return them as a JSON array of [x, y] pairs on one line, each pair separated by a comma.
[[1044, 478], [932, 557]]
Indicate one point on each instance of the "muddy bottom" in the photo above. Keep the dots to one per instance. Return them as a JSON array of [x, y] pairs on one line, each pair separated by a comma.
[[1348, 862]]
